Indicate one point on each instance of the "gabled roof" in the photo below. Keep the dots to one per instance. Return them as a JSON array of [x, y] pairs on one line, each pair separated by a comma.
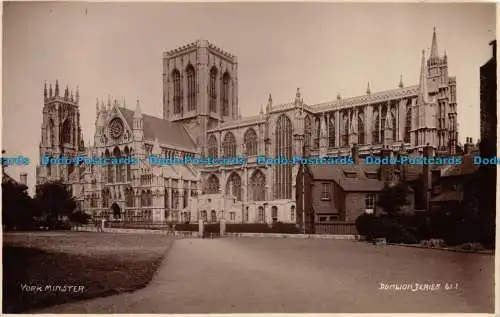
[[168, 133], [337, 173]]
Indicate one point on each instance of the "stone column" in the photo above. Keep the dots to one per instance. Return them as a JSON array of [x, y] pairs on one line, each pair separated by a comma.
[[337, 128], [222, 227], [201, 226]]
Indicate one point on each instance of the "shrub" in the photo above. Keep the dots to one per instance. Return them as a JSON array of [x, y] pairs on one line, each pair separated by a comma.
[[364, 225]]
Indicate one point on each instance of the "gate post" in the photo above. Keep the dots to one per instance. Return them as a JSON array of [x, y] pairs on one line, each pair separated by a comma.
[[201, 227], [222, 227]]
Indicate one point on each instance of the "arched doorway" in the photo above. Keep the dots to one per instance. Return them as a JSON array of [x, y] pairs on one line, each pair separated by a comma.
[[116, 210]]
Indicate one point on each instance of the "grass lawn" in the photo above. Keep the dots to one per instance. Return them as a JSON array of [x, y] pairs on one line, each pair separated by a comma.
[[103, 263]]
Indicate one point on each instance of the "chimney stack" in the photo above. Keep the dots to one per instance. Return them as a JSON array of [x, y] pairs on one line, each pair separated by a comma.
[[23, 179], [468, 145]]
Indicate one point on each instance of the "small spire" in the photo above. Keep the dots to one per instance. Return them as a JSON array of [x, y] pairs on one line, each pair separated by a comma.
[[297, 96], [77, 95], [109, 103], [401, 85], [50, 90], [422, 95], [71, 95], [269, 104], [45, 90], [138, 112], [434, 47], [66, 93], [97, 106], [103, 108], [261, 109], [56, 93], [339, 96], [156, 147], [368, 91]]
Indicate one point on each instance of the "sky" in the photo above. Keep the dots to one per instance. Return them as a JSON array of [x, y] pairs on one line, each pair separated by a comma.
[[115, 49]]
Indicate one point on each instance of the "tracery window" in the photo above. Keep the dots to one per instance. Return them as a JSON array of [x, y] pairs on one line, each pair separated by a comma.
[[212, 186], [361, 128], [51, 133], [331, 132], [213, 90], [376, 128], [106, 196], [283, 172], [229, 145], [345, 129], [393, 126], [66, 131], [212, 146], [129, 197], [258, 186], [233, 186], [251, 142], [408, 124], [225, 93], [176, 78], [383, 120], [191, 88], [317, 133]]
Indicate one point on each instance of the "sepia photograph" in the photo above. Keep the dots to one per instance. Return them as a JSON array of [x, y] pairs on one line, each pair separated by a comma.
[[265, 157]]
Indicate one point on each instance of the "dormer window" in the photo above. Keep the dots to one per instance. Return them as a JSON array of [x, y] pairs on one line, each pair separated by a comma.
[[350, 174]]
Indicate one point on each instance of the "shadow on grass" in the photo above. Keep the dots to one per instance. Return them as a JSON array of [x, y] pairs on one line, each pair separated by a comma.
[[100, 275]]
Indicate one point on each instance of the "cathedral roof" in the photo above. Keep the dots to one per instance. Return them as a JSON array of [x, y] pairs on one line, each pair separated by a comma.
[[373, 97], [351, 178], [168, 133], [239, 122]]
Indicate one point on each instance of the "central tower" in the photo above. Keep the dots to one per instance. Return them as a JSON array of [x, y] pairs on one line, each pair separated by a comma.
[[200, 88]]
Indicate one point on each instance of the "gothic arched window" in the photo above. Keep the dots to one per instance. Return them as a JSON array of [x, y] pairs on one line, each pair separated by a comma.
[[331, 132], [213, 90], [128, 167], [191, 87], [229, 145], [185, 198], [307, 134], [109, 169], [212, 146], [106, 196], [251, 142], [258, 186], [345, 129], [382, 124], [361, 128], [120, 168], [51, 134], [376, 128], [225, 93], [212, 186], [233, 186], [129, 197], [317, 132], [283, 172], [408, 124], [66, 132], [176, 78], [393, 126]]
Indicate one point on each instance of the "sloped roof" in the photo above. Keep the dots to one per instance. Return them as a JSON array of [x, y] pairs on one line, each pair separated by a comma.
[[467, 167], [337, 173], [239, 122], [168, 133]]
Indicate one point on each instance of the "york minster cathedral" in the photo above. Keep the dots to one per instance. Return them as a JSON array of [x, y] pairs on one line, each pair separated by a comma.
[[201, 117]]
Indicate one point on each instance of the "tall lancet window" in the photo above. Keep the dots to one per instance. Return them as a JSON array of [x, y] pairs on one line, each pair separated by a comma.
[[191, 88], [307, 134], [226, 79], [258, 186], [382, 124], [66, 131], [331, 132], [251, 142], [283, 172], [229, 145], [408, 124], [361, 127], [317, 132], [51, 134], [109, 169], [213, 90], [393, 126], [376, 127], [233, 186], [176, 78], [212, 146], [345, 129]]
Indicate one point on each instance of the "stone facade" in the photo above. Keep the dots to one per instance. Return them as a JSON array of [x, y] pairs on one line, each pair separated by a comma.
[[201, 117]]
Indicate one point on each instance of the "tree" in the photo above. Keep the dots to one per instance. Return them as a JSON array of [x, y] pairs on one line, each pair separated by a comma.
[[18, 208], [393, 197], [55, 202]]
